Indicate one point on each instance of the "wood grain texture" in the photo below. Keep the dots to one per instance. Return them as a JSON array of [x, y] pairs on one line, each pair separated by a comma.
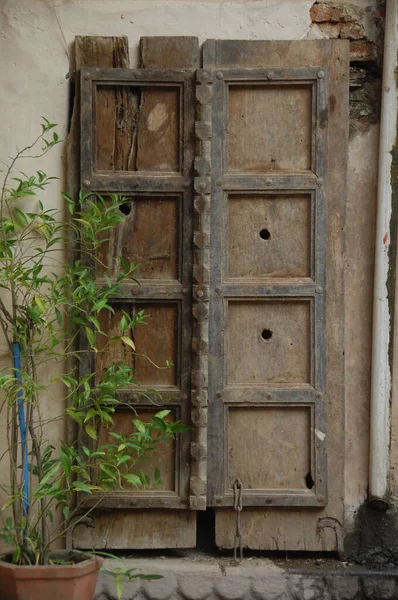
[[157, 340], [137, 129], [280, 433], [269, 236], [268, 342], [138, 530], [148, 237], [169, 52], [254, 145]]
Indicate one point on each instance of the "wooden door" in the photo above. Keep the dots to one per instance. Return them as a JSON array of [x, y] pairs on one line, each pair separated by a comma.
[[238, 222], [275, 287]]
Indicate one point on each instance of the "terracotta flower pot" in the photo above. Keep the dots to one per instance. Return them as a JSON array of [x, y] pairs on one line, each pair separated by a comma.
[[55, 582]]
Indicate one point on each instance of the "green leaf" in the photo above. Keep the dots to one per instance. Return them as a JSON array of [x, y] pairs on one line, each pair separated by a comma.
[[90, 336], [118, 586], [140, 425], [44, 489], [66, 464], [162, 414], [80, 486], [76, 416], [123, 324], [179, 427], [21, 217], [91, 432], [128, 341], [133, 479], [58, 315], [39, 302]]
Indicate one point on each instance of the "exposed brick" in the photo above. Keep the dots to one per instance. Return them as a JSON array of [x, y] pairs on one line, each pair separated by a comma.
[[331, 30], [352, 31], [320, 13], [363, 51]]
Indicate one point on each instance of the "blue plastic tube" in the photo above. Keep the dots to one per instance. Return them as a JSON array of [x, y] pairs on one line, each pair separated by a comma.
[[16, 352]]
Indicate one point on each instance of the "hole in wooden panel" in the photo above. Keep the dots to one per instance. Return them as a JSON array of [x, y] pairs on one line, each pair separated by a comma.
[[309, 482], [148, 238], [125, 208], [266, 334], [155, 342], [287, 252], [137, 128], [286, 359], [270, 127], [269, 447], [265, 234], [162, 457]]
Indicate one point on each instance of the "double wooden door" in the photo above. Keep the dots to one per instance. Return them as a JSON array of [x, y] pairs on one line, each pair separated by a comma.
[[235, 179]]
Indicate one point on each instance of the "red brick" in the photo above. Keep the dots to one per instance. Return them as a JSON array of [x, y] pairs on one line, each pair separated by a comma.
[[320, 13], [362, 51], [352, 31]]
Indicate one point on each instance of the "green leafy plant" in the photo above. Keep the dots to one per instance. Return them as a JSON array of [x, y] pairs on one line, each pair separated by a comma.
[[46, 305]]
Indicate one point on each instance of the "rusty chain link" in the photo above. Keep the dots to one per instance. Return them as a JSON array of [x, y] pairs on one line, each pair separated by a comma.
[[238, 498]]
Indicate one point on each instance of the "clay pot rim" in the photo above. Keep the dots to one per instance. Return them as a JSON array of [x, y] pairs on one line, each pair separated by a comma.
[[87, 564]]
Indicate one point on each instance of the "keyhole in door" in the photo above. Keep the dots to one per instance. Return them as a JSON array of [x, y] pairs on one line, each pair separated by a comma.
[[266, 334], [265, 234]]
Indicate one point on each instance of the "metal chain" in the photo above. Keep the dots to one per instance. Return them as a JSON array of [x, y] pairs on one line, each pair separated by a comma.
[[238, 505]]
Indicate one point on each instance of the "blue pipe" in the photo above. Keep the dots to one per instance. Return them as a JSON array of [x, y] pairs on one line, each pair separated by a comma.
[[16, 354]]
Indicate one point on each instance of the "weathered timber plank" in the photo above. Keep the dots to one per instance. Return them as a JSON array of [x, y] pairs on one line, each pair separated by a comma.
[[138, 530], [180, 52], [88, 52]]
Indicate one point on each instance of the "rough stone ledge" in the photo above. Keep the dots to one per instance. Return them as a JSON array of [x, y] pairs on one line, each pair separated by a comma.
[[251, 580]]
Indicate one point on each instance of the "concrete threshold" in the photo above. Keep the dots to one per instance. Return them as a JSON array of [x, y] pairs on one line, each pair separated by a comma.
[[205, 577]]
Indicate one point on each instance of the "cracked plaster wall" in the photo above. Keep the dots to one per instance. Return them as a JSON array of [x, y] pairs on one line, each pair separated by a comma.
[[35, 42]]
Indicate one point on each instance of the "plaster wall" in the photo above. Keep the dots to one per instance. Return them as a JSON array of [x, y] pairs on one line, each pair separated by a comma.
[[35, 43]]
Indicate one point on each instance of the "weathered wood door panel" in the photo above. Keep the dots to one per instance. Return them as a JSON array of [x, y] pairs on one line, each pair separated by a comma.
[[275, 320], [137, 140], [268, 339]]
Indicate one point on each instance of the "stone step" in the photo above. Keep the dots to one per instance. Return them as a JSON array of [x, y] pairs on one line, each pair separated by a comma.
[[253, 579]]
